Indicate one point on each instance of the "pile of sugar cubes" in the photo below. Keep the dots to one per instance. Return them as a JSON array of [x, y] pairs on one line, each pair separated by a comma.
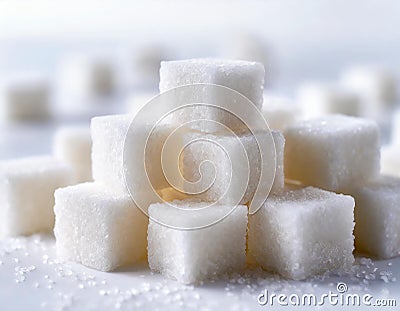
[[327, 199]]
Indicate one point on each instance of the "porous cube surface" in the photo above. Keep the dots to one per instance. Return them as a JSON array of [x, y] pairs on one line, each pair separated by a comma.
[[210, 159], [377, 216], [332, 152], [244, 77], [303, 232], [27, 194], [24, 98], [390, 160], [279, 112], [98, 228], [73, 145], [108, 137], [192, 256]]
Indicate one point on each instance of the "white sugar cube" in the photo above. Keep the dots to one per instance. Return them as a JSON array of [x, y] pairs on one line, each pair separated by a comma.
[[332, 152], [73, 145], [377, 216], [279, 112], [390, 160], [191, 256], [210, 159], [24, 98], [97, 228], [318, 99], [377, 86], [244, 77], [27, 194], [108, 136], [303, 232]]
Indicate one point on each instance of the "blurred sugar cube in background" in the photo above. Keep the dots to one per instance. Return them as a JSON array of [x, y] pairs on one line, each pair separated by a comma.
[[241, 45], [25, 97], [83, 77], [318, 99], [141, 65], [87, 84], [378, 87]]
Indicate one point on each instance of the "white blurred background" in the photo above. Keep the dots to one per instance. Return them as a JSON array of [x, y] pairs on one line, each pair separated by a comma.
[[76, 44], [305, 39]]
